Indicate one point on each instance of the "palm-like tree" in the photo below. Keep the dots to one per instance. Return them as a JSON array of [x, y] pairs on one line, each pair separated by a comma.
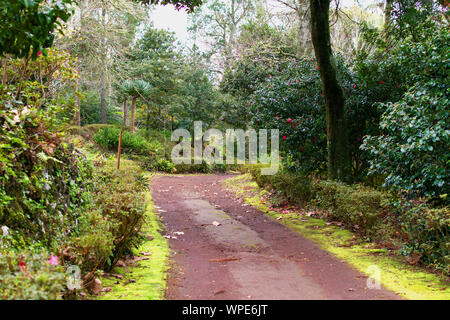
[[136, 89], [122, 97]]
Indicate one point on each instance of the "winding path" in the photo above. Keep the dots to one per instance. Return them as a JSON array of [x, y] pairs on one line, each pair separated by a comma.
[[224, 249]]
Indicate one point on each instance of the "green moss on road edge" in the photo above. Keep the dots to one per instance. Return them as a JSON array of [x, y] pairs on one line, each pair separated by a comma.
[[149, 275], [408, 281]]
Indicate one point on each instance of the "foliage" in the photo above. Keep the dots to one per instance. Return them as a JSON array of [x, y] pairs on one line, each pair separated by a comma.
[[428, 230], [412, 151], [108, 138], [188, 5], [377, 215], [43, 183], [47, 82], [90, 109], [30, 276], [34, 30], [165, 166], [121, 196]]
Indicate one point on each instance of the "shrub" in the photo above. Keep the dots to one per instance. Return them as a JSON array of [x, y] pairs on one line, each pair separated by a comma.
[[43, 182], [378, 215], [204, 167], [357, 206], [428, 230], [165, 166], [120, 194], [108, 138], [30, 276], [412, 150]]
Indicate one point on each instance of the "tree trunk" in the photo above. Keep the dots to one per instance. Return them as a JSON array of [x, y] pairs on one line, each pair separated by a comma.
[[304, 29], [133, 114], [147, 122], [125, 113], [338, 154], [103, 70], [387, 13]]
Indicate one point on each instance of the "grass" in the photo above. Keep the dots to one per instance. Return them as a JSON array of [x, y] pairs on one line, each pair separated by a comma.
[[150, 275], [410, 282]]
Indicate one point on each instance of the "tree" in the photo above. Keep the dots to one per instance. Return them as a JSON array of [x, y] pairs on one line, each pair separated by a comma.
[[219, 22], [338, 155], [135, 90], [301, 10], [188, 5]]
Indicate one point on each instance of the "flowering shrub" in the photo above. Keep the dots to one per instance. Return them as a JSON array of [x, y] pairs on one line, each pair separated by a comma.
[[292, 101], [30, 276], [413, 149]]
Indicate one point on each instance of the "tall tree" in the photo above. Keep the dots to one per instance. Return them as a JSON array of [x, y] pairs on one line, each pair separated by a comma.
[[301, 10], [218, 21], [338, 155]]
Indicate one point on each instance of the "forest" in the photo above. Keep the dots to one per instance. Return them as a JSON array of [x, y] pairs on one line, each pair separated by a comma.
[[91, 91]]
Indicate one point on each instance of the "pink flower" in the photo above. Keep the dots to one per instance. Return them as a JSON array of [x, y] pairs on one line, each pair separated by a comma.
[[317, 68], [278, 117], [284, 137], [39, 53], [381, 82], [354, 87], [53, 260], [289, 120], [249, 104]]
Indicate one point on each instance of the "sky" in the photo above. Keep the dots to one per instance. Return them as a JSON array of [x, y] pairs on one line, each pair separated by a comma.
[[166, 17]]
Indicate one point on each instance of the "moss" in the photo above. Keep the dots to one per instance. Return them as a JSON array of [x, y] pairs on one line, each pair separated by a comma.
[[150, 275], [411, 282]]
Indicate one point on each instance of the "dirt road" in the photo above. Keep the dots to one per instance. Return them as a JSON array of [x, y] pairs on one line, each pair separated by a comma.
[[225, 249]]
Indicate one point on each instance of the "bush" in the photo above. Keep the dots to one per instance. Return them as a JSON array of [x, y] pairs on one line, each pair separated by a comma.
[[428, 230], [30, 276], [120, 194], [377, 215], [165, 166], [204, 167], [133, 143], [412, 151], [357, 206], [43, 182]]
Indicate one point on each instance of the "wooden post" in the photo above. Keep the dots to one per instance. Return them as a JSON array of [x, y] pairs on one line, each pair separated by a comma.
[[119, 149]]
